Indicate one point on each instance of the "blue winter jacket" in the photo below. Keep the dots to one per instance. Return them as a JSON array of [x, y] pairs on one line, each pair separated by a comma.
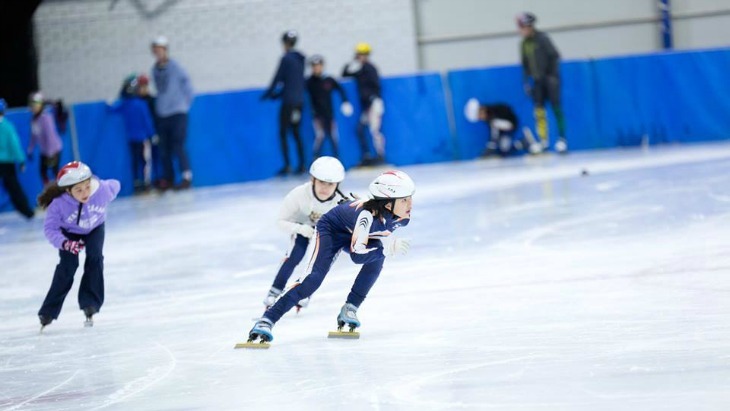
[[136, 116], [288, 83]]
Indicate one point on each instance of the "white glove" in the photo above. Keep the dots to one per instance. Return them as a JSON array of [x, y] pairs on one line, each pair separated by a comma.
[[353, 67], [346, 109], [306, 230], [397, 246]]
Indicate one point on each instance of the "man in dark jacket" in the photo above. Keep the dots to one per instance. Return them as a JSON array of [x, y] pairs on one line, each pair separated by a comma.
[[541, 63], [288, 84], [371, 103]]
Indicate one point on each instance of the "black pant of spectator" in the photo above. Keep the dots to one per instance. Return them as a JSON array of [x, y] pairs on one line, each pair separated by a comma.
[[173, 132], [290, 116], [136, 152], [91, 290], [325, 128], [15, 191], [52, 163]]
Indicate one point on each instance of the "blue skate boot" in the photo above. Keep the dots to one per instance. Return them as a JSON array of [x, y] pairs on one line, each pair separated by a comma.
[[262, 331], [348, 316]]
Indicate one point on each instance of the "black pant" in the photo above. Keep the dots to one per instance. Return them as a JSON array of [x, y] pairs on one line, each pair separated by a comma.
[[173, 131], [546, 89], [136, 151], [91, 291], [290, 116], [324, 128], [52, 163], [15, 191]]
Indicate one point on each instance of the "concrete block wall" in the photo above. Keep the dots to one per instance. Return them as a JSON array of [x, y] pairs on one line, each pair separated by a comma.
[[87, 47]]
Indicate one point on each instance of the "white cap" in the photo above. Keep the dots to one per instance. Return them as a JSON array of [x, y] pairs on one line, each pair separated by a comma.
[[160, 41]]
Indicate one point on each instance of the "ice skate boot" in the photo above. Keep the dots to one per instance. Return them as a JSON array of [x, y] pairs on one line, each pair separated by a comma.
[[261, 331], [561, 146], [302, 304], [347, 316], [89, 313], [271, 297], [45, 320]]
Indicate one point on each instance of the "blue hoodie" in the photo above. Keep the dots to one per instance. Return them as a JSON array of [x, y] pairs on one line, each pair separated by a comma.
[[288, 83], [136, 115]]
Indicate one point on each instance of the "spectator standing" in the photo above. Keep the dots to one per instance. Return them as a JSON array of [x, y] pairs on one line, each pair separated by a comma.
[[288, 84], [371, 103], [43, 133], [10, 155], [541, 77], [174, 97]]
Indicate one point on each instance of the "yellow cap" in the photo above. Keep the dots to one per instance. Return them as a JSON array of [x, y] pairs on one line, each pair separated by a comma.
[[363, 48]]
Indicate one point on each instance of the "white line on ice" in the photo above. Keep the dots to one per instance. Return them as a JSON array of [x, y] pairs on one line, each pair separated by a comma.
[[50, 390], [122, 394]]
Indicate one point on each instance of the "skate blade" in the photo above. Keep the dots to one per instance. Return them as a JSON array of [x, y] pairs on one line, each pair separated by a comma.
[[344, 334], [253, 344]]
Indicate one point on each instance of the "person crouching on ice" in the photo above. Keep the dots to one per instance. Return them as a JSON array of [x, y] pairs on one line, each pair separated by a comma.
[[302, 208], [76, 205], [356, 227]]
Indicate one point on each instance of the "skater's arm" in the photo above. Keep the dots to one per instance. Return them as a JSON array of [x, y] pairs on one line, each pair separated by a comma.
[[111, 188], [361, 233], [340, 89], [52, 227], [293, 202], [275, 82]]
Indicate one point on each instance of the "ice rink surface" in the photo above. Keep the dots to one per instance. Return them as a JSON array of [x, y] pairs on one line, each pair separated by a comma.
[[528, 287]]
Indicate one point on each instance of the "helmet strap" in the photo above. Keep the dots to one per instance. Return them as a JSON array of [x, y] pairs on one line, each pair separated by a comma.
[[314, 192]]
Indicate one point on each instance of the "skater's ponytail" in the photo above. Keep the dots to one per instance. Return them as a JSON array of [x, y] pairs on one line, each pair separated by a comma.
[[376, 206], [49, 194]]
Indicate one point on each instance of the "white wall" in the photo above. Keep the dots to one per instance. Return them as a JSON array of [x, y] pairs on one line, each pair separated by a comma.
[[483, 32], [86, 47]]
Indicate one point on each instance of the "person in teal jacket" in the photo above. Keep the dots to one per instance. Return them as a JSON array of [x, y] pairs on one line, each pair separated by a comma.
[[10, 155]]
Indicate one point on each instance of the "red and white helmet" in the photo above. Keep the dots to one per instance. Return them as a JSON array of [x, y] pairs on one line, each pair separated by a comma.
[[327, 169], [392, 184], [73, 173]]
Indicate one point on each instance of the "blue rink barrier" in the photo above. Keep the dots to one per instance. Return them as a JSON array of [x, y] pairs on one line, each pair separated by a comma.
[[610, 102], [657, 98]]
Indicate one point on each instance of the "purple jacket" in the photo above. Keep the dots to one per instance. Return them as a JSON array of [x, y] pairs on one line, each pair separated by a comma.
[[63, 213], [43, 132]]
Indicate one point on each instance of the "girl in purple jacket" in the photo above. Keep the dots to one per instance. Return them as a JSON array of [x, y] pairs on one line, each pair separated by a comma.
[[76, 210], [43, 133]]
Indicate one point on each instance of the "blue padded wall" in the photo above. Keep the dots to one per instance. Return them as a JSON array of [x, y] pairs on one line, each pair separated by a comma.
[[233, 136], [667, 97]]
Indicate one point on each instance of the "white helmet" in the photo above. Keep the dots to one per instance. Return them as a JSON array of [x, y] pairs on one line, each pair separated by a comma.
[[73, 173], [160, 41], [392, 184], [327, 169]]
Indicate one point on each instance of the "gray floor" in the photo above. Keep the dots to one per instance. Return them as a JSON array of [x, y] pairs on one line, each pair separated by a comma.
[[528, 287]]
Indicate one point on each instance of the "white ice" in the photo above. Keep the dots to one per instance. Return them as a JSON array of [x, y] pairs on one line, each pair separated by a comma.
[[528, 287]]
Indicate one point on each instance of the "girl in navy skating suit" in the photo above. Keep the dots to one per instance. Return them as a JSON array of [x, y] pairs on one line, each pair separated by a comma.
[[356, 227]]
